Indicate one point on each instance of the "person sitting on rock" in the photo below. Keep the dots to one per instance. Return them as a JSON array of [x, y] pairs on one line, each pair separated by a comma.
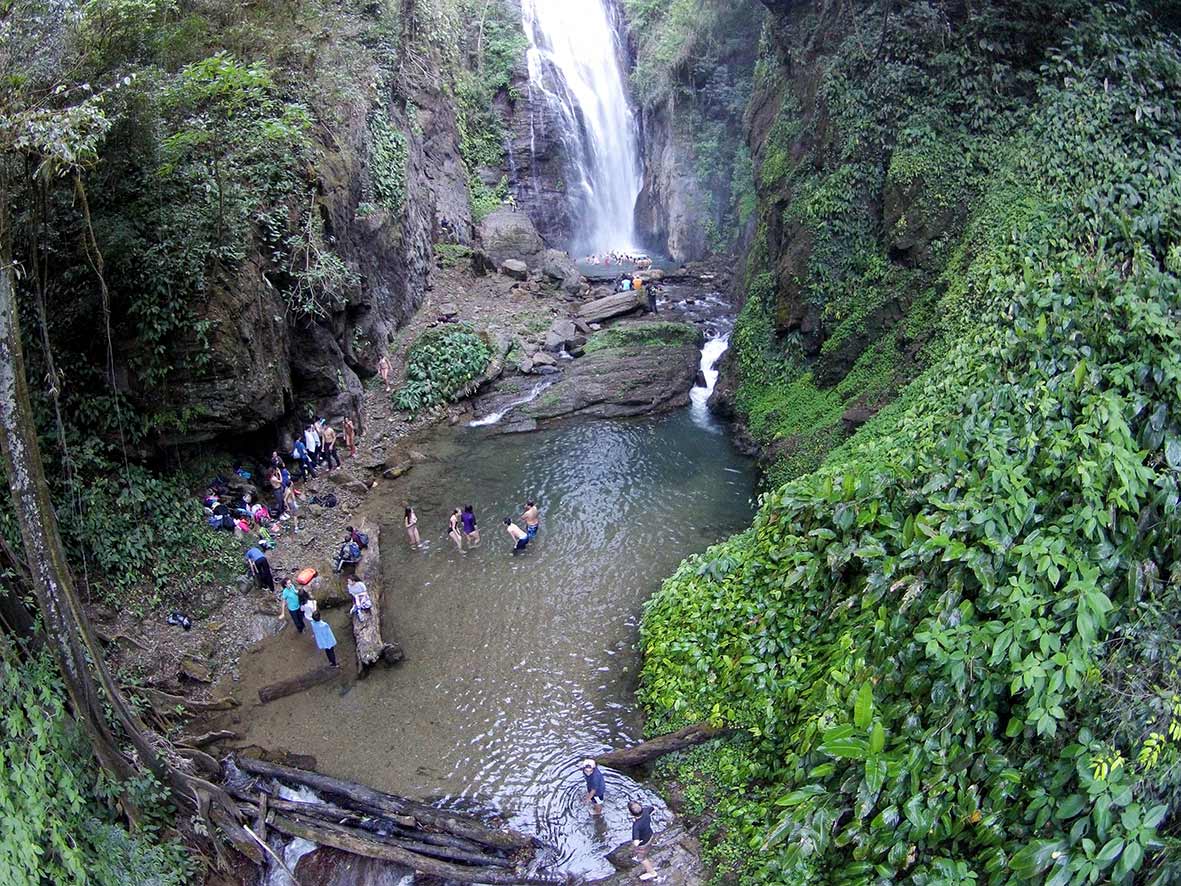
[[362, 602], [349, 557]]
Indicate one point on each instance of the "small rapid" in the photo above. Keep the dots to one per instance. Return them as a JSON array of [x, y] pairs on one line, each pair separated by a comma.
[[494, 417], [711, 353]]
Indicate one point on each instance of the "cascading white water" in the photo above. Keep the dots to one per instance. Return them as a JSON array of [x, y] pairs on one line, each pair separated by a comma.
[[711, 352], [575, 62], [493, 417]]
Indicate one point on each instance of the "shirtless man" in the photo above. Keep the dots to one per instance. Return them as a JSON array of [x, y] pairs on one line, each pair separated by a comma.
[[517, 534], [383, 369], [531, 518]]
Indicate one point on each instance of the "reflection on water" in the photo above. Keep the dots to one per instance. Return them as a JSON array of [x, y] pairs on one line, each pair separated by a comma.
[[518, 666]]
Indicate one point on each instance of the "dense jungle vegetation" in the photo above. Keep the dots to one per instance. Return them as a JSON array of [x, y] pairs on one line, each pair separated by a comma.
[[951, 638], [153, 155]]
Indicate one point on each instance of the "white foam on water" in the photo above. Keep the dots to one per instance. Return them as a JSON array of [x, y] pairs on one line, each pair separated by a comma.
[[711, 352], [494, 417]]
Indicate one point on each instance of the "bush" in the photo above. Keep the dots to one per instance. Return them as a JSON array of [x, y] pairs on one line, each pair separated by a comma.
[[58, 827], [440, 365]]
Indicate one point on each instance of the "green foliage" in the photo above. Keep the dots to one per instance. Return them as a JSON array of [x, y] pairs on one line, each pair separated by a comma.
[[452, 255], [658, 334], [58, 827], [955, 646], [388, 156], [440, 366]]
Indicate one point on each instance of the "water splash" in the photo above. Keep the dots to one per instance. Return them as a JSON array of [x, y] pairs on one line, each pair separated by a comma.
[[493, 417], [575, 62]]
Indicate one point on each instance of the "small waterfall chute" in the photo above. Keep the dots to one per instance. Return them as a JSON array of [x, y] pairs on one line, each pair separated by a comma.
[[711, 352]]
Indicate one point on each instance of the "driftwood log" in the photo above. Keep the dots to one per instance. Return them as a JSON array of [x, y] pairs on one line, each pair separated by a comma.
[[284, 688], [405, 812], [371, 648], [360, 842], [647, 751], [206, 738], [166, 703]]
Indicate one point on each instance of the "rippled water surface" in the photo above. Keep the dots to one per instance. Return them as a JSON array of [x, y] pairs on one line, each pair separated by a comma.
[[519, 665]]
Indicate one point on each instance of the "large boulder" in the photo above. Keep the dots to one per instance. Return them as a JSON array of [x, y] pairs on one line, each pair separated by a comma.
[[507, 234], [562, 335], [557, 265], [515, 268], [614, 305], [629, 369]]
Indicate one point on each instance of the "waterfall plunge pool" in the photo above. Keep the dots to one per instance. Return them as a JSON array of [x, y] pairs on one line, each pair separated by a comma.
[[518, 666]]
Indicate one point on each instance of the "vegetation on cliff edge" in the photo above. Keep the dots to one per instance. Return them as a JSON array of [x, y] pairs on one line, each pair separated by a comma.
[[954, 648]]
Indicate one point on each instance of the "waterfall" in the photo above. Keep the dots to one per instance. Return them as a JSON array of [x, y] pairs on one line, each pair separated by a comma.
[[494, 417], [575, 62]]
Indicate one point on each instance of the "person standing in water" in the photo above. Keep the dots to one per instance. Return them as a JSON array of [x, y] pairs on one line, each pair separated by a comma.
[[642, 836], [531, 518], [453, 532], [325, 639], [517, 534], [411, 523], [596, 785], [469, 526], [289, 602], [384, 369]]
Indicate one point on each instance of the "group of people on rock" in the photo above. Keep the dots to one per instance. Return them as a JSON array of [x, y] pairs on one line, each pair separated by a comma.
[[635, 283], [317, 447], [596, 793], [464, 531]]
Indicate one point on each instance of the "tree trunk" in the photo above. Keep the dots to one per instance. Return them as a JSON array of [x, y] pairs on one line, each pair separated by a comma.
[[367, 799], [76, 649], [360, 843], [645, 752], [371, 648], [284, 688]]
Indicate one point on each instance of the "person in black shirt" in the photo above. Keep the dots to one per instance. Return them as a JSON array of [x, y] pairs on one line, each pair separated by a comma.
[[642, 836], [596, 785]]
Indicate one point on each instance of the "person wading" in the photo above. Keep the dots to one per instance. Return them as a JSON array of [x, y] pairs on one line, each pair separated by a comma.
[[325, 639], [453, 532], [531, 518], [411, 522], [470, 530], [642, 836], [517, 534], [596, 785]]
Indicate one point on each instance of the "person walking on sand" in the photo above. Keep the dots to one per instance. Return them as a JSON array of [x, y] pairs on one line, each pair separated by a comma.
[[289, 601], [325, 639], [411, 522], [350, 436], [596, 785], [470, 529], [453, 532], [517, 534], [384, 369], [260, 569], [532, 519], [642, 836]]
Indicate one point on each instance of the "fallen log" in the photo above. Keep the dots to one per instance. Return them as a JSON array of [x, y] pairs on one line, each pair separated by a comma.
[[371, 826], [284, 688], [359, 796], [646, 751], [360, 843], [371, 648]]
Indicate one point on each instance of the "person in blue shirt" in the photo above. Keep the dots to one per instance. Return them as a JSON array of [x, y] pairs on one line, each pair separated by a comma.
[[596, 785], [642, 836], [325, 639], [290, 596], [260, 568]]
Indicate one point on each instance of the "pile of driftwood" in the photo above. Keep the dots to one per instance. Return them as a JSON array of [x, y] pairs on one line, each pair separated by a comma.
[[363, 821]]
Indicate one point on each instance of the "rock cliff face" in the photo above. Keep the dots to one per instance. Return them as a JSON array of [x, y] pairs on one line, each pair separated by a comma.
[[696, 169]]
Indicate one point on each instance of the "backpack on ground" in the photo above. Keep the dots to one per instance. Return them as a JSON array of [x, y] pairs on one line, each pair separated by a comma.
[[361, 539]]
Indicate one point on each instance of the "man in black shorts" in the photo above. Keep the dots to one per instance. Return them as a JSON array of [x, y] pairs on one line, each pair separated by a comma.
[[596, 785], [642, 836]]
